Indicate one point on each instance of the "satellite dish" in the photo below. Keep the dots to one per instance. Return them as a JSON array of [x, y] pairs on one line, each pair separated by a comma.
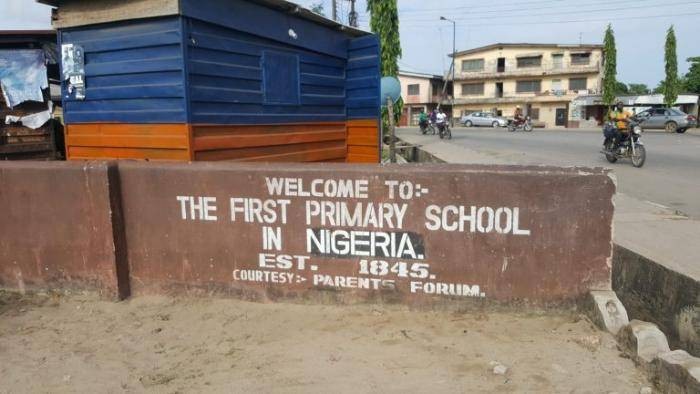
[[391, 88]]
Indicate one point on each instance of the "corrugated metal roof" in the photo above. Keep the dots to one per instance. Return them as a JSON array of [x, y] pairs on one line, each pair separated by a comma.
[[282, 5]]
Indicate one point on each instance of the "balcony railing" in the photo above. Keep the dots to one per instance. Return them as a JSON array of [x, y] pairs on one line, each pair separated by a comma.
[[509, 96], [491, 69]]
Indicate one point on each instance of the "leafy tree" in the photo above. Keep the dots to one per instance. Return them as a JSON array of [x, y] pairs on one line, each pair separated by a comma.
[[318, 8], [692, 78], [638, 88], [610, 67], [671, 84], [621, 88], [384, 22]]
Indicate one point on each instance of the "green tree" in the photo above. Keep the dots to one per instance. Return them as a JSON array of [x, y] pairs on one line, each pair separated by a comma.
[[384, 22], [610, 67], [621, 88], [671, 83], [318, 8], [638, 88], [692, 78]]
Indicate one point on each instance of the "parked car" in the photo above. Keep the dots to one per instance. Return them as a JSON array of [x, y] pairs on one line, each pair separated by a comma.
[[669, 119], [488, 119]]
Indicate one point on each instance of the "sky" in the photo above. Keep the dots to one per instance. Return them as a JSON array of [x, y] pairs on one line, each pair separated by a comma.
[[640, 28]]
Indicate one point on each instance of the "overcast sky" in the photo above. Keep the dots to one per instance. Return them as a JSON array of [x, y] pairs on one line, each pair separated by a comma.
[[640, 28]]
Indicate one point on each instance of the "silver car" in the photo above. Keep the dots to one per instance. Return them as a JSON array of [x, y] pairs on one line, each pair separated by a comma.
[[669, 119], [487, 119]]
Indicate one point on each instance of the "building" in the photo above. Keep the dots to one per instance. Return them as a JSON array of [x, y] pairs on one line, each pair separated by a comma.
[[206, 80], [542, 79], [422, 92]]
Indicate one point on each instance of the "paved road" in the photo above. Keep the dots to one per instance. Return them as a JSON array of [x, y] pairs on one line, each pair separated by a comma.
[[671, 175]]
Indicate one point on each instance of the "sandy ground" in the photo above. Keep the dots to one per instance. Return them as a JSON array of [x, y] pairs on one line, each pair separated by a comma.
[[51, 343]]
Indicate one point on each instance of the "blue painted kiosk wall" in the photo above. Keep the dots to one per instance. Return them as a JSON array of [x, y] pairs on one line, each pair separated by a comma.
[[225, 80]]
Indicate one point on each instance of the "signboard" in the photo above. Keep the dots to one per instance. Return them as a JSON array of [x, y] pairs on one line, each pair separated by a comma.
[[73, 69], [415, 234]]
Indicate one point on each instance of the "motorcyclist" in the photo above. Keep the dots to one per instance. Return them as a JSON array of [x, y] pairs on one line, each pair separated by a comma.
[[441, 120], [518, 117], [423, 119], [433, 116], [620, 119]]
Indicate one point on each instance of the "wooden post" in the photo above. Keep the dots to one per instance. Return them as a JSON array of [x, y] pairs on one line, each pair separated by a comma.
[[392, 130]]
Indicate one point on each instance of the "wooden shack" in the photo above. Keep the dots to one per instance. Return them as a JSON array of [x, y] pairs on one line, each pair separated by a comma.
[[200, 80], [17, 140]]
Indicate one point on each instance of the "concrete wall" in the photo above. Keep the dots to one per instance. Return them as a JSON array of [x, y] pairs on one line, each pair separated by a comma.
[[59, 227], [343, 233], [652, 292]]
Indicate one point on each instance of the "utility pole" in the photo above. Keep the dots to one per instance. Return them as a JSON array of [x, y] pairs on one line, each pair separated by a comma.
[[454, 52], [352, 18], [335, 10]]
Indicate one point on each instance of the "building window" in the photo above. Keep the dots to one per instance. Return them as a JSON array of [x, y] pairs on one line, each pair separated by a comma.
[[472, 89], [531, 61], [473, 65], [281, 84], [414, 90], [528, 86], [580, 59], [578, 84], [534, 113]]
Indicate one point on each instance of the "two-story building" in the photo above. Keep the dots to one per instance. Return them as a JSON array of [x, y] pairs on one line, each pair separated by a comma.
[[422, 92], [541, 79]]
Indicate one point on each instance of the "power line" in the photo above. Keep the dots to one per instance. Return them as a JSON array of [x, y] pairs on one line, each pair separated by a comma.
[[559, 13], [490, 6], [573, 20]]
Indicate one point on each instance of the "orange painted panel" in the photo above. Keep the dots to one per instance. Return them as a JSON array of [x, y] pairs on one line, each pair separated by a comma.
[[282, 142], [316, 151], [88, 153], [363, 141], [134, 141]]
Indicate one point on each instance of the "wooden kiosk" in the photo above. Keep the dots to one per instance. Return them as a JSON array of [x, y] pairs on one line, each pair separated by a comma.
[[201, 80]]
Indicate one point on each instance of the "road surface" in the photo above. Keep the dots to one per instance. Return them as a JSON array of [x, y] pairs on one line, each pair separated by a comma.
[[671, 175]]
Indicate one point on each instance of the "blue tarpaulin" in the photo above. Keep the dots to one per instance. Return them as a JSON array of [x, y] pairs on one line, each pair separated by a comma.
[[23, 75]]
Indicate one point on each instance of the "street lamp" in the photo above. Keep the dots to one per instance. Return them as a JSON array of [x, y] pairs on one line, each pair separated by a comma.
[[454, 50]]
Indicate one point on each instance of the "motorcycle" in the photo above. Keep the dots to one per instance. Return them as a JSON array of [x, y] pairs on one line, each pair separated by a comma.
[[427, 128], [629, 147], [444, 130], [525, 125]]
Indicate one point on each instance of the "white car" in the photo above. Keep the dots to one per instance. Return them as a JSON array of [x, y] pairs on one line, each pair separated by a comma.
[[484, 119]]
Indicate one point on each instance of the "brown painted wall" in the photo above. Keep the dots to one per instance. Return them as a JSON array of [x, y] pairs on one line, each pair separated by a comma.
[[78, 225], [56, 227], [568, 212]]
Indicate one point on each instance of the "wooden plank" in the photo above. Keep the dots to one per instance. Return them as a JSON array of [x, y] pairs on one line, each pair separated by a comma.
[[355, 158], [115, 129], [297, 152], [362, 150], [129, 141], [363, 123], [201, 130], [78, 13], [89, 153], [265, 139]]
